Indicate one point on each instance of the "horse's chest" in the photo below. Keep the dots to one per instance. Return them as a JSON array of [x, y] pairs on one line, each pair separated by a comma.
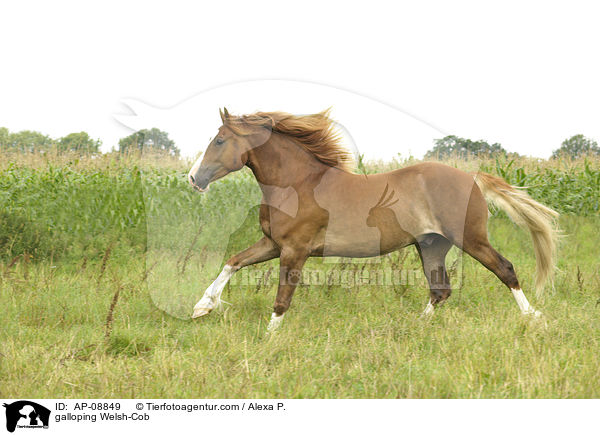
[[283, 228]]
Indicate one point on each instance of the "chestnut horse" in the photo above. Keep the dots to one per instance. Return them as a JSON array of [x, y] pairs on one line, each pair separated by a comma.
[[313, 205]]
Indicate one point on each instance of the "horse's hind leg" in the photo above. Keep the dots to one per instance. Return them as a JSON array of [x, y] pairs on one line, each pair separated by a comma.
[[432, 250], [477, 246], [263, 250]]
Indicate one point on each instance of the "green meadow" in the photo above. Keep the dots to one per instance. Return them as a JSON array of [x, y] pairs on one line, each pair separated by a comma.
[[102, 260]]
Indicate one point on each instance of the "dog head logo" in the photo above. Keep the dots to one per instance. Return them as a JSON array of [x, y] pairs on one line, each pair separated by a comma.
[[26, 414]]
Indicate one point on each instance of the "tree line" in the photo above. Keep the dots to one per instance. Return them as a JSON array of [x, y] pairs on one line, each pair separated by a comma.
[[156, 140], [454, 146], [27, 141]]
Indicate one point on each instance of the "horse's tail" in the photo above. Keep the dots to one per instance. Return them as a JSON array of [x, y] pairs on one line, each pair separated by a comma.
[[527, 213]]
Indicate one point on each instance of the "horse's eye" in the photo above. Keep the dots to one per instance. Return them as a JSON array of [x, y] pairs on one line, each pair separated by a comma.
[[220, 141]]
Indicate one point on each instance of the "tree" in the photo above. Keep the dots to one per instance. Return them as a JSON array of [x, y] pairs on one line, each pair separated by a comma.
[[450, 146], [29, 141], [79, 142], [4, 137], [577, 146], [148, 140]]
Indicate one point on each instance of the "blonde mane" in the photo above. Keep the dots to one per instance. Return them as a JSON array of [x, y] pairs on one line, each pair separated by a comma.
[[316, 133]]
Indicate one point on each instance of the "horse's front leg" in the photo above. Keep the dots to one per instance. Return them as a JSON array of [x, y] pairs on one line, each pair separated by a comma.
[[263, 250], [290, 273]]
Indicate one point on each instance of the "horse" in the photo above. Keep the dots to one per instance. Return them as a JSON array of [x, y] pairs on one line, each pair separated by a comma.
[[314, 205]]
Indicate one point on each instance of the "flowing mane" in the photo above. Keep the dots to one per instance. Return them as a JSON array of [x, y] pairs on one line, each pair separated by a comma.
[[316, 133]]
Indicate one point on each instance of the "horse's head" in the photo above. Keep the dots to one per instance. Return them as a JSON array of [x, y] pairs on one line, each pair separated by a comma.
[[228, 151]]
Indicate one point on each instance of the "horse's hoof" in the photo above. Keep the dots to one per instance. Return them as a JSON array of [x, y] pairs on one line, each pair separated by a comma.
[[199, 312], [428, 312], [534, 313], [537, 318], [274, 323]]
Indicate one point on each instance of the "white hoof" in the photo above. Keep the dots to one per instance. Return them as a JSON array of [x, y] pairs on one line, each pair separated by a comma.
[[275, 322], [534, 313], [212, 295], [524, 305], [205, 306], [429, 309]]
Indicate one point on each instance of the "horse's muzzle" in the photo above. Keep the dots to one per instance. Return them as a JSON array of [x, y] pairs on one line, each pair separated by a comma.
[[200, 182]]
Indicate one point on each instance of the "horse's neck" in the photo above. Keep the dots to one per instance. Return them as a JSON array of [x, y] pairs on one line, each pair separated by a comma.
[[283, 163]]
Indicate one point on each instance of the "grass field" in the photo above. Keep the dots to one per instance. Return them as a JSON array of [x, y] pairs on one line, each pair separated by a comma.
[[102, 262]]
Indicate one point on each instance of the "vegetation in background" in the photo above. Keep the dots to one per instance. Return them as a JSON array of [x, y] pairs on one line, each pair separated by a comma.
[[153, 140], [156, 141], [25, 141], [80, 143], [454, 146], [576, 147], [70, 204], [32, 142]]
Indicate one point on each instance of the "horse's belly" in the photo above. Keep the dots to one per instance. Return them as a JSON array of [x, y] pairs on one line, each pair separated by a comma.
[[366, 243]]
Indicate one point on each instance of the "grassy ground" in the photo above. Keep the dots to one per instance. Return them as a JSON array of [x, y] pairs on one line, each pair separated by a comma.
[[101, 264], [60, 337]]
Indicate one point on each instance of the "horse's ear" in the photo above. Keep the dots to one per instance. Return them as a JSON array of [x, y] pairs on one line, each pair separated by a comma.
[[224, 114]]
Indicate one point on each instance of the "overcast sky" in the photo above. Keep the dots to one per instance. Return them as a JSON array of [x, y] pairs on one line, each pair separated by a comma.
[[525, 74]]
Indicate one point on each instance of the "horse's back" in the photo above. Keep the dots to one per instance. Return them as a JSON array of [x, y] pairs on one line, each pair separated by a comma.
[[451, 196]]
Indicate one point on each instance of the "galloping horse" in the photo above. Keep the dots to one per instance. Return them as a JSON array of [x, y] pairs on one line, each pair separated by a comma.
[[313, 205]]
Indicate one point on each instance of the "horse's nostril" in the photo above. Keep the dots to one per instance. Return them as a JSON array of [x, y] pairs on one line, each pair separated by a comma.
[[192, 179]]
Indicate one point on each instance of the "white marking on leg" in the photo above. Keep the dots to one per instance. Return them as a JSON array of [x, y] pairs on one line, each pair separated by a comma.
[[275, 322], [212, 296], [429, 309], [523, 303]]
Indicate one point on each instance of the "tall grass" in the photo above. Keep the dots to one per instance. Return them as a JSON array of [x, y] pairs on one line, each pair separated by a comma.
[[70, 338], [96, 253], [68, 205]]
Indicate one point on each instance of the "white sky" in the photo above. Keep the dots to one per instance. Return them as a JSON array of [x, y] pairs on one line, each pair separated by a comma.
[[525, 74]]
